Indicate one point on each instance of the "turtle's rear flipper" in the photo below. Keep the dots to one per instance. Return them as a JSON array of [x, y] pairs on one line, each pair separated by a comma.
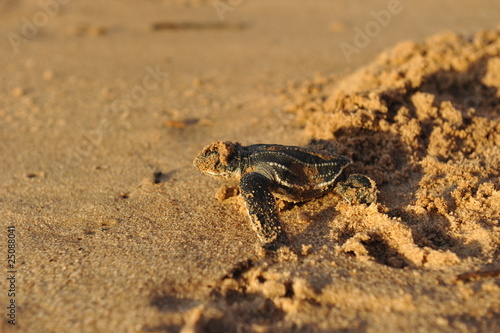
[[357, 189], [262, 210]]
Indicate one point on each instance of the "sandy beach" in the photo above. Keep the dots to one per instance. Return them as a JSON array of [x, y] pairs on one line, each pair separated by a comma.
[[106, 226]]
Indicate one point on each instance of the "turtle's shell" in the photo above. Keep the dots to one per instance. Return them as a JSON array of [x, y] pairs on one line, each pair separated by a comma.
[[297, 174]]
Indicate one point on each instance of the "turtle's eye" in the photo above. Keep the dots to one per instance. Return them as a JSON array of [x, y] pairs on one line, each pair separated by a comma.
[[217, 165]]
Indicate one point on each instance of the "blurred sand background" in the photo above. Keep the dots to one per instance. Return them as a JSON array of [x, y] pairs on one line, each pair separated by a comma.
[[104, 105]]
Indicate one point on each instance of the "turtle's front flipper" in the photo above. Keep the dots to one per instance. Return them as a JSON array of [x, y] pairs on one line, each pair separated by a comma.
[[357, 189], [261, 207]]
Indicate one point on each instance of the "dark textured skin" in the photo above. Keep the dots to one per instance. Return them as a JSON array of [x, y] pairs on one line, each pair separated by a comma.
[[266, 171]]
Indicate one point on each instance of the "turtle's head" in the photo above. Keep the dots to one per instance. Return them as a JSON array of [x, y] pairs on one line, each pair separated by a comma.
[[219, 159]]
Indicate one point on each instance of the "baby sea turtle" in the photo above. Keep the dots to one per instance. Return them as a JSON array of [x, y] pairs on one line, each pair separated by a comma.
[[294, 174]]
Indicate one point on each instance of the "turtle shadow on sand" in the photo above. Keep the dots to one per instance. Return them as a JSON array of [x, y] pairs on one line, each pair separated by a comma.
[[363, 147]]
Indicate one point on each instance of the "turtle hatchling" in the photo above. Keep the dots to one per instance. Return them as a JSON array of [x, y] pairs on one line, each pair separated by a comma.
[[269, 171]]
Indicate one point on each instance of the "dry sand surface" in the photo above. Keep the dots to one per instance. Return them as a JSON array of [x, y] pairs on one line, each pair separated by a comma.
[[104, 105]]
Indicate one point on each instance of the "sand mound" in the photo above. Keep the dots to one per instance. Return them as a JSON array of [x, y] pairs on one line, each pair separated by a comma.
[[423, 121]]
